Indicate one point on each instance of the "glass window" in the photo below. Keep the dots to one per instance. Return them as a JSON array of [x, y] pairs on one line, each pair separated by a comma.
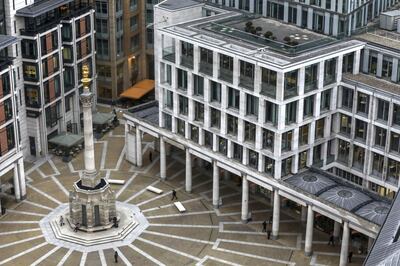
[[372, 63], [377, 164], [343, 151], [253, 159], [208, 139], [268, 82], [269, 166], [180, 124], [387, 67], [268, 139], [362, 103], [330, 71], [271, 113], [394, 142], [345, 124], [308, 106], [347, 98], [326, 100], [194, 133], [169, 99], [396, 114], [319, 128], [183, 105], [226, 68], [182, 79], [291, 112], [311, 78], [232, 125], [206, 61], [303, 135], [215, 118], [222, 145], [287, 166], [198, 85], [252, 105], [187, 54], [291, 84], [383, 110], [250, 132], [233, 98], [380, 137], [246, 75], [215, 88], [361, 130], [358, 157], [237, 152], [303, 159], [287, 141], [393, 172], [198, 112]]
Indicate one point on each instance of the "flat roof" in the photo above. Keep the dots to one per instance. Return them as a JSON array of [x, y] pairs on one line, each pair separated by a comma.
[[226, 30], [373, 82], [342, 194], [41, 7], [148, 111], [7, 40], [386, 248], [381, 37]]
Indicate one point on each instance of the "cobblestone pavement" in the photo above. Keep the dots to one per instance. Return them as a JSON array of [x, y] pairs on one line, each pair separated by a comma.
[[201, 236]]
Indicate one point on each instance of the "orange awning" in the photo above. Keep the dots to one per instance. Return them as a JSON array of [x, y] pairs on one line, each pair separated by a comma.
[[139, 90]]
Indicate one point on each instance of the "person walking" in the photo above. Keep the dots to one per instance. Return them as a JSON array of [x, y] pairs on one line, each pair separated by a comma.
[[150, 156], [331, 240], [61, 220], [116, 257], [350, 256], [174, 195], [264, 224], [269, 234]]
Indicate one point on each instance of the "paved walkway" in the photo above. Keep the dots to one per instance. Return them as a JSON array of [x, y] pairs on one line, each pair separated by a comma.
[[201, 236]]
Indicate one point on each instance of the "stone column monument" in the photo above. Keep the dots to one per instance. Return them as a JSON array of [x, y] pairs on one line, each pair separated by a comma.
[[92, 203]]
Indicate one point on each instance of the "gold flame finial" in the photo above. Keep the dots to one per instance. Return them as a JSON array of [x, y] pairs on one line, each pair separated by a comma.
[[85, 76]]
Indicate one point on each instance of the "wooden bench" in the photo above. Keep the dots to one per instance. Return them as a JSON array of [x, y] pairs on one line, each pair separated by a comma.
[[116, 181], [154, 190], [179, 206]]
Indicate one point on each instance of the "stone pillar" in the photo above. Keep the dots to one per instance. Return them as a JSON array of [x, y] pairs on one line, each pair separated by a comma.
[[336, 230], [215, 185], [22, 178], [309, 231], [188, 171], [163, 159], [139, 155], [17, 189], [276, 215], [245, 199], [303, 213], [344, 251], [370, 243]]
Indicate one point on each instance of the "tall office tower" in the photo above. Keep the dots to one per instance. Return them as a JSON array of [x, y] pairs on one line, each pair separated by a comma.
[[331, 17], [57, 38], [124, 42]]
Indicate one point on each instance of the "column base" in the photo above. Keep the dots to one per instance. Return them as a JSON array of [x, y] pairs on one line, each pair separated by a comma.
[[189, 191], [308, 253], [23, 197], [274, 237], [215, 206], [245, 221]]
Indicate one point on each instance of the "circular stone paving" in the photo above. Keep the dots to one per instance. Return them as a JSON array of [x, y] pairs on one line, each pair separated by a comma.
[[345, 193], [310, 178], [381, 210]]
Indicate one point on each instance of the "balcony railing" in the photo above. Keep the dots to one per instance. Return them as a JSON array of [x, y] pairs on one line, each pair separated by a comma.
[[268, 90], [290, 92], [187, 61], [247, 82], [226, 75], [206, 68], [169, 54]]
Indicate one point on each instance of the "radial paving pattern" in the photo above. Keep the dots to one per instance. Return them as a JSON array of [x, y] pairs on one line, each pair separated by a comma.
[[201, 236]]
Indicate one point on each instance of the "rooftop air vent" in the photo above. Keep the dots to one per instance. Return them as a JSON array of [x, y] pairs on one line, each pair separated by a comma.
[[388, 20]]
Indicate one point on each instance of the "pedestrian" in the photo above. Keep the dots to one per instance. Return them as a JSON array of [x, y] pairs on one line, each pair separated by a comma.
[[150, 156], [270, 220], [331, 240], [269, 234], [116, 257], [264, 224], [76, 227], [350, 256], [61, 220], [174, 195]]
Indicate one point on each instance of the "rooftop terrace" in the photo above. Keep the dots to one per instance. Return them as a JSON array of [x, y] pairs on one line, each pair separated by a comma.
[[373, 82]]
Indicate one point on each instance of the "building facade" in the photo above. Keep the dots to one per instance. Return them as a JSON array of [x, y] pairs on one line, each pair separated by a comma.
[[275, 108], [124, 41], [56, 40]]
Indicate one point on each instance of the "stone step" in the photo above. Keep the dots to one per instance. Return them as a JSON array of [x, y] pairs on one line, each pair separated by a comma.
[[95, 241]]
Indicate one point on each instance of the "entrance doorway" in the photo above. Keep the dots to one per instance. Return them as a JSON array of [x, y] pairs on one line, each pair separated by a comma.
[[32, 145], [84, 215], [96, 215]]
